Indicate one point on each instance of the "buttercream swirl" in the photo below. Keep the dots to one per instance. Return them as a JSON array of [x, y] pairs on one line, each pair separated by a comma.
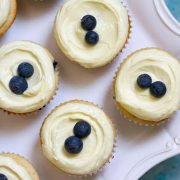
[[41, 86], [161, 66], [97, 147], [4, 11], [112, 27], [13, 170]]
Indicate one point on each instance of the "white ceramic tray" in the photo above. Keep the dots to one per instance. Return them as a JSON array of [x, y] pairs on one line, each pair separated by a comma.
[[138, 148]]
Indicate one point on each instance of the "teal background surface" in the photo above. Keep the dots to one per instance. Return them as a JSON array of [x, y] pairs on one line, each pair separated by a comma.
[[174, 8], [167, 170]]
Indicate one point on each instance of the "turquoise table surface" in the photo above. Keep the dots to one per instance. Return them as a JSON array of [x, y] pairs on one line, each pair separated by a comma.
[[174, 8], [167, 170]]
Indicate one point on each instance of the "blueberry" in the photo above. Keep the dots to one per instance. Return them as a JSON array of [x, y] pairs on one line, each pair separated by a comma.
[[82, 129], [92, 37], [88, 22], [144, 81], [73, 145], [18, 85], [55, 64], [3, 177], [25, 70], [158, 89]]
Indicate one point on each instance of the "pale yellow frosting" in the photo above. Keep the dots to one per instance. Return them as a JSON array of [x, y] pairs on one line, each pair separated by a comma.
[[112, 27], [5, 6], [161, 66], [41, 85], [97, 146], [12, 170]]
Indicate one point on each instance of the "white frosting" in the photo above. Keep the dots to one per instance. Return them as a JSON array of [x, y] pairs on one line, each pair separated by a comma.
[[5, 6], [97, 146], [112, 27], [41, 85], [161, 66], [12, 170]]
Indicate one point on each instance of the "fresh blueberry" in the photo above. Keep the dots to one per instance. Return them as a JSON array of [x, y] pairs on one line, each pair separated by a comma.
[[158, 89], [55, 64], [144, 81], [18, 85], [3, 177], [82, 129], [73, 145], [92, 37], [88, 22], [25, 70]]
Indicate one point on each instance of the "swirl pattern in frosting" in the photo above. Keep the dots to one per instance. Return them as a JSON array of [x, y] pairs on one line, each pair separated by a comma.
[[41, 86], [161, 66], [112, 27], [14, 170], [97, 147]]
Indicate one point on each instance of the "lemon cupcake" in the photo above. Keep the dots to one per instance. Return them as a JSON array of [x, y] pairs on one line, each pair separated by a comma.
[[7, 14], [92, 32], [78, 137], [15, 167], [147, 86], [28, 77]]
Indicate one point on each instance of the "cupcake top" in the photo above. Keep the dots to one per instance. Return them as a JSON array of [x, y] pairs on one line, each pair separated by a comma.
[[13, 167], [147, 84], [83, 124], [7, 14], [92, 32], [28, 79]]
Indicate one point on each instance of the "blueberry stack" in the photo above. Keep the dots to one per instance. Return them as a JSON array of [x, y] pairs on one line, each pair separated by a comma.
[[3, 177], [157, 89], [18, 84], [88, 23], [74, 144]]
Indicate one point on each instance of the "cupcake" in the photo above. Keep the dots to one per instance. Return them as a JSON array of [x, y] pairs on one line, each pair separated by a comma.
[[14, 167], [28, 77], [78, 138], [92, 32], [147, 86], [7, 14]]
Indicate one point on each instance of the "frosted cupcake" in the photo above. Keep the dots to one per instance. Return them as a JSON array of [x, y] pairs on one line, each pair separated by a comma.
[[7, 14], [92, 32], [28, 77], [78, 137], [15, 167], [147, 86]]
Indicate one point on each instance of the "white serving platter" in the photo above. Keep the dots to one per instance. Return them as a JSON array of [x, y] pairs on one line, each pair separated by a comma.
[[138, 148]]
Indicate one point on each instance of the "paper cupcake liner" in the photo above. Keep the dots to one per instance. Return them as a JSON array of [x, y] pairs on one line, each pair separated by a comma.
[[139, 121], [11, 18], [52, 98], [109, 159], [126, 115], [24, 162], [130, 26]]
